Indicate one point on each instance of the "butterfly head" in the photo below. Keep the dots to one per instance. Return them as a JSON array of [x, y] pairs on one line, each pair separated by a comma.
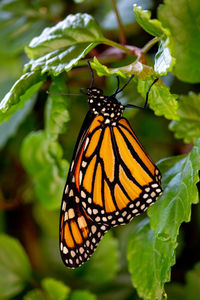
[[108, 106]]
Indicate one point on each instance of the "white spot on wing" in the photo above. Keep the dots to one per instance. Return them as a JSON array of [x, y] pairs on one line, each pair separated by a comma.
[[65, 250], [84, 164], [83, 194], [66, 189], [71, 193], [66, 216], [153, 194], [71, 213], [81, 222], [80, 177], [72, 252], [93, 228], [72, 164], [64, 206], [86, 142]]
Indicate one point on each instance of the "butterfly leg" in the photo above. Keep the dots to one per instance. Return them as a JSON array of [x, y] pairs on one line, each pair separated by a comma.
[[146, 101]]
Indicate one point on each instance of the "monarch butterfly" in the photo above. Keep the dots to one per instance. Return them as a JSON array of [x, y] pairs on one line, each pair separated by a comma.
[[111, 178]]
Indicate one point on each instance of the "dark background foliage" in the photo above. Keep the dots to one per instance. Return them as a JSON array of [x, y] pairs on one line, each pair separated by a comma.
[[38, 133]]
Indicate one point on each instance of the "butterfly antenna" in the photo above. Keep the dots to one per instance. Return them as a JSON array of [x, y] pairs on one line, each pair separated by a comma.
[[125, 84], [92, 81], [62, 94], [116, 91], [147, 94]]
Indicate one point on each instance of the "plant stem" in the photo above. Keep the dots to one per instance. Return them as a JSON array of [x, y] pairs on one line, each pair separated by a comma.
[[150, 44], [121, 28], [116, 45], [111, 43]]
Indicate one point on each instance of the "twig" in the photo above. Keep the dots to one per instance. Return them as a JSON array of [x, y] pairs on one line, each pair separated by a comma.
[[116, 45], [150, 44], [121, 28]]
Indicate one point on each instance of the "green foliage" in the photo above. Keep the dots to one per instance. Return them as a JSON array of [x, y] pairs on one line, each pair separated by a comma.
[[51, 289], [149, 260], [136, 68], [59, 48], [45, 136], [20, 18], [180, 176], [22, 91], [151, 253], [15, 269], [56, 289], [164, 60], [42, 158], [42, 155], [188, 126], [75, 29], [83, 295], [143, 18], [59, 61], [56, 112], [160, 99], [103, 264], [192, 288], [8, 129], [35, 295], [181, 18]]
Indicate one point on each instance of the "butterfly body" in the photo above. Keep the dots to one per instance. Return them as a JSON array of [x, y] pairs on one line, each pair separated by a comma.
[[111, 179], [107, 106]]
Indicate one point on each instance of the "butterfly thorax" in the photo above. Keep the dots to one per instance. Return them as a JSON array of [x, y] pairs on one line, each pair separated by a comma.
[[107, 106]]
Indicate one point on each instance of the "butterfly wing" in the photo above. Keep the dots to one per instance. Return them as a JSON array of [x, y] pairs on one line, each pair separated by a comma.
[[116, 178], [79, 235]]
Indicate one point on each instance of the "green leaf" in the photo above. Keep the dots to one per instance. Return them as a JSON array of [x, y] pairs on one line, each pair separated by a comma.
[[188, 127], [102, 263], [8, 129], [55, 289], [42, 217], [41, 154], [56, 113], [15, 268], [164, 60], [42, 159], [60, 47], [17, 28], [52, 290], [149, 261], [60, 60], [180, 176], [73, 30], [136, 68], [83, 295], [35, 295], [160, 99], [151, 251], [181, 17], [22, 91], [192, 290], [143, 18], [11, 69]]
